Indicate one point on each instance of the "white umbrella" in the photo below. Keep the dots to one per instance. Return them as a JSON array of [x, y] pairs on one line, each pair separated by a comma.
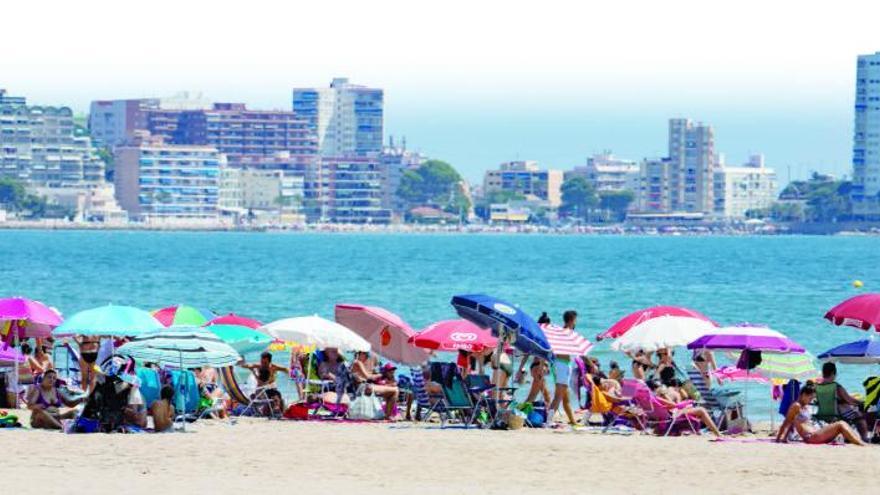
[[662, 332], [316, 331]]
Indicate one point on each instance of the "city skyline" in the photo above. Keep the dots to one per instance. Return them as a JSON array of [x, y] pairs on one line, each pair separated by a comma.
[[533, 85]]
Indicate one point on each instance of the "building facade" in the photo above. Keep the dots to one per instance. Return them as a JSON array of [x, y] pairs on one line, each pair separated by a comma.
[[346, 118], [740, 189], [350, 191], [395, 160], [606, 172], [865, 193], [692, 166], [235, 130], [113, 122], [40, 146], [155, 180], [527, 179]]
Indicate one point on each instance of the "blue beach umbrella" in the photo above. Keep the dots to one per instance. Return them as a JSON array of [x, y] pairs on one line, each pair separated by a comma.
[[503, 318], [859, 352], [110, 321]]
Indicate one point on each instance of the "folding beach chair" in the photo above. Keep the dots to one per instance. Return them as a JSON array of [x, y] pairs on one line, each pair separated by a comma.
[[658, 416], [615, 411], [423, 400], [826, 403], [456, 397], [721, 404]]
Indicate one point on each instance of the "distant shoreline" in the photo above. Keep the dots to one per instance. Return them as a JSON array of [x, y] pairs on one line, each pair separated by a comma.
[[615, 230]]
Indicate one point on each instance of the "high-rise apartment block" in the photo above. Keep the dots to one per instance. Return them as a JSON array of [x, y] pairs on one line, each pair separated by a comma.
[[40, 145], [235, 130], [346, 118], [865, 193], [156, 180], [113, 122]]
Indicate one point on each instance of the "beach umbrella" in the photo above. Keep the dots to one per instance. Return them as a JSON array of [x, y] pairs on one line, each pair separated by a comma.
[[454, 335], [183, 315], [241, 338], [110, 321], [734, 374], [386, 332], [633, 319], [10, 356], [316, 331], [181, 347], [862, 311], [746, 337], [24, 318], [234, 319], [566, 342], [504, 320], [788, 366], [865, 351], [662, 332]]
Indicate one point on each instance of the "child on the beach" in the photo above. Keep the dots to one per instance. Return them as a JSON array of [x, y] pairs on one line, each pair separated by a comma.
[[296, 371]]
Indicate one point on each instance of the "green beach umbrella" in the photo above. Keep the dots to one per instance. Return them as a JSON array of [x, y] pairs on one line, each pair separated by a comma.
[[183, 315], [243, 339]]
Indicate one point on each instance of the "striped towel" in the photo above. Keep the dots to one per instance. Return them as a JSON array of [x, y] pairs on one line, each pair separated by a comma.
[[872, 391]]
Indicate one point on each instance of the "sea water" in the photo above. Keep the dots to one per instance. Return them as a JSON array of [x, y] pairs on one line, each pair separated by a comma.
[[785, 282]]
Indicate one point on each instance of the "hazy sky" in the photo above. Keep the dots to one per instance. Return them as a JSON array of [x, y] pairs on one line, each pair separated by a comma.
[[482, 81]]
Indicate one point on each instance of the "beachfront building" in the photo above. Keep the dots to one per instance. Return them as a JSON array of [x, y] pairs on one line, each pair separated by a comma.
[[606, 172], [350, 191], [277, 194], [346, 118], [113, 122], [90, 203], [865, 193], [40, 146], [527, 179], [236, 131], [156, 180], [751, 186], [684, 181], [395, 159]]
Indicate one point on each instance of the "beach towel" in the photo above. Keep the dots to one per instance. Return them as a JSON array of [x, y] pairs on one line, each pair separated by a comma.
[[150, 385], [872, 391]]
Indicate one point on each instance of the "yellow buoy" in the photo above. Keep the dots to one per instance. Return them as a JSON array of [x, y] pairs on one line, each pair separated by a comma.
[[858, 284]]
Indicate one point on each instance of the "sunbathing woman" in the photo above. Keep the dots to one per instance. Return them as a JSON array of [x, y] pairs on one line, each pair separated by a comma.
[[799, 418], [45, 402]]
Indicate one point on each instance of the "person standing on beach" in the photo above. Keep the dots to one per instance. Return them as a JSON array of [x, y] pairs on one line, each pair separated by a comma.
[[562, 370]]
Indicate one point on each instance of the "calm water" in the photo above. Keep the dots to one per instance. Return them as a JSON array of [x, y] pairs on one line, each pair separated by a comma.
[[785, 282]]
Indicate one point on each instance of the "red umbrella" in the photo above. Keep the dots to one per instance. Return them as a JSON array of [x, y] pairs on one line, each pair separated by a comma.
[[629, 321], [862, 311], [234, 319], [454, 335]]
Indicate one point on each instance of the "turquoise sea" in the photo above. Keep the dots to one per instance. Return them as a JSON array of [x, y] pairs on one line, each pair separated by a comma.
[[785, 282]]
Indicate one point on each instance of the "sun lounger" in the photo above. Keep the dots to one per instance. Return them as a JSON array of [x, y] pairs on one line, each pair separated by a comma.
[[658, 416]]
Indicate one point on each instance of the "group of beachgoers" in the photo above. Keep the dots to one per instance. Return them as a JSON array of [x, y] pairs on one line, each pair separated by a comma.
[[553, 389]]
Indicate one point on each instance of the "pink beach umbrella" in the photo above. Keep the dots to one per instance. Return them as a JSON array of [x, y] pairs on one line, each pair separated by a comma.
[[565, 342], [386, 332], [862, 311], [734, 374], [234, 319], [454, 335], [24, 318], [631, 320]]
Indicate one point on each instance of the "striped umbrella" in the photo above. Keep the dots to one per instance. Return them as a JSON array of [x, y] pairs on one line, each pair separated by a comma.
[[182, 315], [183, 347], [786, 366], [566, 342]]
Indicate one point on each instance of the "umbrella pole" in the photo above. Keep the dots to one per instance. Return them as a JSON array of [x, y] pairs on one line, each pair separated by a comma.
[[185, 388], [15, 383]]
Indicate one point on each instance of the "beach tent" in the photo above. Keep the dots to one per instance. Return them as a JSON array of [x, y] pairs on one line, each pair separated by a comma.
[[388, 335]]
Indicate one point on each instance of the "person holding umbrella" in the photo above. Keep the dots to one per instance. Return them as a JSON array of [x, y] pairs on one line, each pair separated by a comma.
[[562, 371]]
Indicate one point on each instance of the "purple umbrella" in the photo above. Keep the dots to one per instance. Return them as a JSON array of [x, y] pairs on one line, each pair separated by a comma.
[[27, 318], [747, 337], [10, 355]]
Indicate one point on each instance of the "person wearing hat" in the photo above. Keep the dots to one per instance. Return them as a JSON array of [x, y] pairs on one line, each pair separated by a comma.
[[386, 387]]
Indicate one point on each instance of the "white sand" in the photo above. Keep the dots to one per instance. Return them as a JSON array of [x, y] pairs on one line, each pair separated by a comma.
[[322, 458]]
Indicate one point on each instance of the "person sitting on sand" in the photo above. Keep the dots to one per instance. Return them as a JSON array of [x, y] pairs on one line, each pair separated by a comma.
[[671, 397], [265, 371], [45, 402], [848, 406], [799, 419], [162, 410], [135, 412]]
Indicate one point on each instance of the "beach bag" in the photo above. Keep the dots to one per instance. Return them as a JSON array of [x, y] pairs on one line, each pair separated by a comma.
[[365, 407], [297, 411]]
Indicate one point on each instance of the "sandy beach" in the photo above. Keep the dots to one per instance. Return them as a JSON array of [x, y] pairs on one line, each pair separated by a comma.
[[286, 457]]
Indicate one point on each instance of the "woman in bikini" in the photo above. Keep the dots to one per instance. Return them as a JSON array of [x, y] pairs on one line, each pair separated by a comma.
[[799, 419], [45, 403]]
